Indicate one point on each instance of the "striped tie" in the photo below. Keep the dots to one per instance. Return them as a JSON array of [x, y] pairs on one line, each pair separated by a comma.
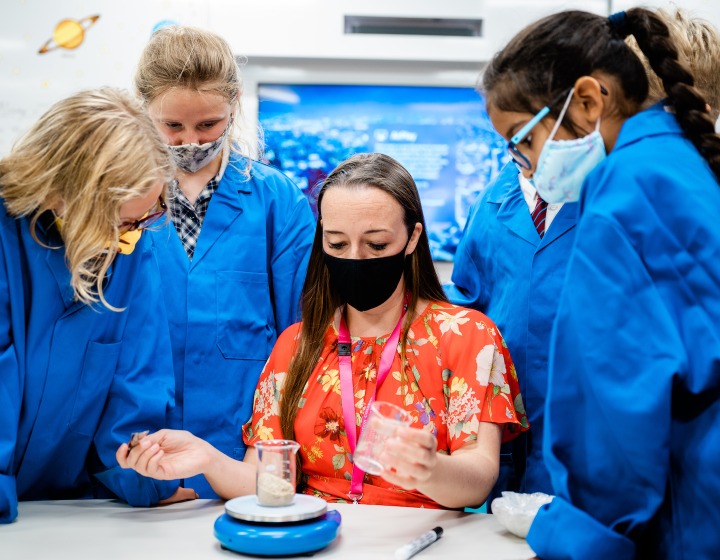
[[538, 216]]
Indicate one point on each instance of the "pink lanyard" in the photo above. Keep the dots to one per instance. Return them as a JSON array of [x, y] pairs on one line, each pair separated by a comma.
[[348, 395]]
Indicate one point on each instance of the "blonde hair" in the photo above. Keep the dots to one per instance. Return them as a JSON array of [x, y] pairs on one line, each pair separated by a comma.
[[189, 57], [89, 154], [698, 45]]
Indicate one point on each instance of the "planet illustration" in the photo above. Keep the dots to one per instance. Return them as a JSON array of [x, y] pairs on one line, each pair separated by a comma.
[[69, 34]]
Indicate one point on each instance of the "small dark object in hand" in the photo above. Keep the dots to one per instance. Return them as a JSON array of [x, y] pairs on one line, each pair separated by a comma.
[[135, 438]]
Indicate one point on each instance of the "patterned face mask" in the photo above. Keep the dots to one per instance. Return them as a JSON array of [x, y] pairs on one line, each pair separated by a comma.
[[191, 157], [564, 164]]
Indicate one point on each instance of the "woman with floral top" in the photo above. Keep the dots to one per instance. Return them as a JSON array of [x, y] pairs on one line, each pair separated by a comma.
[[370, 274]]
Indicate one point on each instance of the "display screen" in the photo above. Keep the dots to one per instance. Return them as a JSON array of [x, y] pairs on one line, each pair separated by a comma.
[[442, 135]]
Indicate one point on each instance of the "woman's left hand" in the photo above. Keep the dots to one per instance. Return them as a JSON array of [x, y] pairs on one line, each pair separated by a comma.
[[409, 458]]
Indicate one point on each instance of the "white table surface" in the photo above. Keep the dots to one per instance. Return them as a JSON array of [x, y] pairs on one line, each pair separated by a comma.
[[108, 530]]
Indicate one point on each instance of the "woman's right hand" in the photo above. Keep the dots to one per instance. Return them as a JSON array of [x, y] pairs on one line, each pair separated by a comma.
[[167, 455]]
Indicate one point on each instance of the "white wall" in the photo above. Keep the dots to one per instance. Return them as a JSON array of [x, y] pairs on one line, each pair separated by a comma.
[[315, 28], [31, 82], [279, 34], [283, 38]]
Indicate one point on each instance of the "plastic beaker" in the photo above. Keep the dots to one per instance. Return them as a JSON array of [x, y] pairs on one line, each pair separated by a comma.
[[383, 421]]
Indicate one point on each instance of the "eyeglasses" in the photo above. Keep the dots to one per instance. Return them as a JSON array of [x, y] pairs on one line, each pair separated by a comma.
[[146, 221], [517, 156]]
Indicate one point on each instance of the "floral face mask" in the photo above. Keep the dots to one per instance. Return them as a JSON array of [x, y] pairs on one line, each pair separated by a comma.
[[192, 157]]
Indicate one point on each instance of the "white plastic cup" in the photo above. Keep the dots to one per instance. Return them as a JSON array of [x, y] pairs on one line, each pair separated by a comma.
[[383, 421]]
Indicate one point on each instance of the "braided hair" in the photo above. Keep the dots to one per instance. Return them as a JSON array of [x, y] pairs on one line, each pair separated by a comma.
[[547, 58]]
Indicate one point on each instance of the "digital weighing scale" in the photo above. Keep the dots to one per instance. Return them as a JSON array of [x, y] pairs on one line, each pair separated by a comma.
[[302, 527]]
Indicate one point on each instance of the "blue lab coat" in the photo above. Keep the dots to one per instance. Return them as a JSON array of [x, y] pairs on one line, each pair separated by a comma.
[[632, 436], [504, 269], [227, 306], [76, 380]]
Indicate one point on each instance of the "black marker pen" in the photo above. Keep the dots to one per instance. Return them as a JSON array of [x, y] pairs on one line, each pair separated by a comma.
[[409, 550]]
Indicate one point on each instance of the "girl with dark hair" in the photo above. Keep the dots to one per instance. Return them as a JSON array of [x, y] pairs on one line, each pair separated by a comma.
[[370, 274], [634, 381], [515, 241]]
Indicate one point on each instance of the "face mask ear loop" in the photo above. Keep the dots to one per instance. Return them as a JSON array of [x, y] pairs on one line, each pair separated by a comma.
[[562, 114]]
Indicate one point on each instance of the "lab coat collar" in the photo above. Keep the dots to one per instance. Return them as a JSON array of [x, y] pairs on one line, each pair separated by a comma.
[[225, 206], [48, 234], [655, 120], [58, 267], [515, 215], [504, 184], [563, 222]]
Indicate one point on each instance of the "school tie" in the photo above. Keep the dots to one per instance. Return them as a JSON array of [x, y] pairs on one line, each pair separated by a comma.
[[538, 216]]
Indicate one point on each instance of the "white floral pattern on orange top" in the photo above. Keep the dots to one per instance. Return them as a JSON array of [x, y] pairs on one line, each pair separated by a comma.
[[458, 373]]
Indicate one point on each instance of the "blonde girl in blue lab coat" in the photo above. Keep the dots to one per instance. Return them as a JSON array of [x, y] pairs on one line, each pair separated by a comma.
[[84, 348], [234, 256], [504, 268], [634, 382]]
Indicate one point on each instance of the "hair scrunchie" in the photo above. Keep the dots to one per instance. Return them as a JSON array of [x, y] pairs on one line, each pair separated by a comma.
[[618, 24]]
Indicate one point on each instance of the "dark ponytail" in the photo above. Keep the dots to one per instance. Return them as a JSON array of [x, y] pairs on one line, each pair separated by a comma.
[[653, 38], [547, 57]]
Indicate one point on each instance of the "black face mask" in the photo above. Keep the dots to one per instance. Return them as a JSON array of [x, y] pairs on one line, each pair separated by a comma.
[[365, 283]]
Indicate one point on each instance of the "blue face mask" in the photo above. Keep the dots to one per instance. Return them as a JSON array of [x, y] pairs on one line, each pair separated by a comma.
[[564, 164]]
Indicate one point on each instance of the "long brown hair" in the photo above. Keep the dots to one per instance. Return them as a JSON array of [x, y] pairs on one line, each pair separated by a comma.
[[319, 300]]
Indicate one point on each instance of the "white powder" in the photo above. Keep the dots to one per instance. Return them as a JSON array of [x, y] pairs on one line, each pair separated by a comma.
[[273, 490]]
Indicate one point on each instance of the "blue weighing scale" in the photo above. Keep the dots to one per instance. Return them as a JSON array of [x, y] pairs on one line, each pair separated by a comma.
[[302, 527]]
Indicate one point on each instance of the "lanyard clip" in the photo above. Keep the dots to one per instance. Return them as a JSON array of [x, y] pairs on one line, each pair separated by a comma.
[[355, 497], [343, 349]]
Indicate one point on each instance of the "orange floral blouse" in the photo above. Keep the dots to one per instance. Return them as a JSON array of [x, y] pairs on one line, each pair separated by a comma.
[[459, 373]]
